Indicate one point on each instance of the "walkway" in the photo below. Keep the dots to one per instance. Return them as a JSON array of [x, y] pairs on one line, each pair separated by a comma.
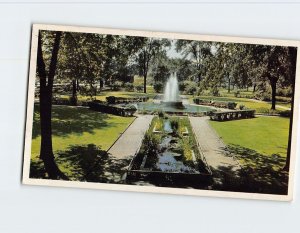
[[212, 146], [129, 142], [124, 149]]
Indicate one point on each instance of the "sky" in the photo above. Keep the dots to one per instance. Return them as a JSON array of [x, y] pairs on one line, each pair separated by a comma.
[[172, 52]]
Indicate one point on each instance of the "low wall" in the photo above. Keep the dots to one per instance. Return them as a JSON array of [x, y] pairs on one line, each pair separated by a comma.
[[111, 109], [167, 177], [232, 115]]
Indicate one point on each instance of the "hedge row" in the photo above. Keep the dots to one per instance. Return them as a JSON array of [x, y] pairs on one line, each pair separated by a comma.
[[112, 109], [119, 100], [218, 104]]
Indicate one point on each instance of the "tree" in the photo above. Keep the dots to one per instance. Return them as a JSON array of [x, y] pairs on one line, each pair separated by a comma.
[[291, 66], [184, 69], [198, 52], [46, 85], [71, 62], [150, 50], [276, 63], [161, 74]]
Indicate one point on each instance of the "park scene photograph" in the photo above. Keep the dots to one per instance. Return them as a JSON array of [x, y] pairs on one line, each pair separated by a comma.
[[153, 111]]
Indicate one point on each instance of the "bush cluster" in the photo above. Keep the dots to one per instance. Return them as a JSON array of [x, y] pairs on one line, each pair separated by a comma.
[[129, 86], [158, 87]]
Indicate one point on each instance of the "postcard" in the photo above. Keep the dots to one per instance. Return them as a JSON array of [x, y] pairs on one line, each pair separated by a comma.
[[162, 112]]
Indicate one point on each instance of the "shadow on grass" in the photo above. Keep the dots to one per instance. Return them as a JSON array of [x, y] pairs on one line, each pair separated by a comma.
[[259, 173], [84, 163], [67, 120]]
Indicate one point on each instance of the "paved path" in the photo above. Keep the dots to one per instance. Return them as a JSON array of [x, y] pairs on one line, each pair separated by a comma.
[[212, 146], [129, 142], [124, 149]]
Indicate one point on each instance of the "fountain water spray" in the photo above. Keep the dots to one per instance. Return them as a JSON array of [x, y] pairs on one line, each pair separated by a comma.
[[171, 93]]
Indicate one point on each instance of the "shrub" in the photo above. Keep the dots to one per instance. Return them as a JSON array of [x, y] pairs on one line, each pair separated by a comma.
[[160, 114], [285, 91], [174, 125], [191, 88], [158, 87], [242, 107], [280, 92], [215, 91], [283, 99], [199, 91], [130, 107], [265, 95], [112, 109], [182, 86], [289, 92], [111, 99], [231, 105], [286, 113], [150, 147], [129, 87], [139, 88], [116, 86], [196, 100], [237, 94]]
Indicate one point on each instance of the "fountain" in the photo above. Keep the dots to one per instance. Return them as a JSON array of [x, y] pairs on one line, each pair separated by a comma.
[[171, 93], [171, 102]]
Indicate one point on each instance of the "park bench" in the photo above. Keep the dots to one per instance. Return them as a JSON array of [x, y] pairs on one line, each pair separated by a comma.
[[232, 115]]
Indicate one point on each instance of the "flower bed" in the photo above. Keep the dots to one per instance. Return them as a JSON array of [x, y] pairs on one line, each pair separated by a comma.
[[169, 150]]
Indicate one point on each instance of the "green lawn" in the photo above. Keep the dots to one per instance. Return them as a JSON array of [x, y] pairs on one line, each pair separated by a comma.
[[260, 146], [102, 96], [74, 126], [260, 107], [265, 135]]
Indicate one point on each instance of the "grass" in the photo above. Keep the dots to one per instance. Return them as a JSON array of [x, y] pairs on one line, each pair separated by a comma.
[[259, 106], [74, 126], [260, 145], [266, 135], [102, 96]]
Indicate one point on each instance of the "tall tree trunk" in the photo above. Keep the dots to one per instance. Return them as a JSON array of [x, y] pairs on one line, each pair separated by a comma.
[[273, 86], [46, 85], [77, 85], [145, 83], [74, 92], [292, 58], [288, 156], [229, 85], [101, 84], [199, 78], [254, 87]]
